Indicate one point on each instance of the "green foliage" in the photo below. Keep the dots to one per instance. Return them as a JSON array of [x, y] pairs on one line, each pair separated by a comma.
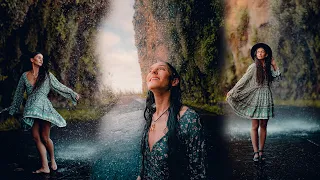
[[298, 43], [193, 40], [293, 34], [82, 114], [243, 24], [9, 124], [64, 31], [210, 108]]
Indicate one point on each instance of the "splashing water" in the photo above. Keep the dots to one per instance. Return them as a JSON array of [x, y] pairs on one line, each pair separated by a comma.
[[288, 120], [76, 151]]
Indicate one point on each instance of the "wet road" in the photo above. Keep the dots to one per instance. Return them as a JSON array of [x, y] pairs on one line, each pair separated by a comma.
[[104, 149], [84, 150], [119, 137], [292, 146], [109, 148]]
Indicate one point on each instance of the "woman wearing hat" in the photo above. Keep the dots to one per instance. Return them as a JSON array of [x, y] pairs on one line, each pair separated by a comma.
[[251, 97], [38, 113]]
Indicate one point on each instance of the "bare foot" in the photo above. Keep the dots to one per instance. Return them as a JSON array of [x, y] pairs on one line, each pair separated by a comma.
[[54, 165], [42, 170]]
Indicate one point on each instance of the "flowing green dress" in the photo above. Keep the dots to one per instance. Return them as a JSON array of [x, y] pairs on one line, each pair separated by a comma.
[[249, 99], [193, 164], [38, 106]]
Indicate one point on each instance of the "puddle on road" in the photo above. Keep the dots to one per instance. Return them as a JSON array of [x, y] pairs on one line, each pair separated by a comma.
[[77, 151], [297, 121]]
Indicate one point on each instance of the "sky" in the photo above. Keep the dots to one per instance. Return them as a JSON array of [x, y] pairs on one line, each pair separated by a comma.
[[116, 48]]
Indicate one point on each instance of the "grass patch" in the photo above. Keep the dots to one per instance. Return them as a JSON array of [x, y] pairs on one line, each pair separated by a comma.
[[9, 124], [82, 114], [299, 103], [210, 108]]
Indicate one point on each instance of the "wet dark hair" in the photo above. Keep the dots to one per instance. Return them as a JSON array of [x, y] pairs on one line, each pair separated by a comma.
[[263, 73], [43, 72], [172, 123]]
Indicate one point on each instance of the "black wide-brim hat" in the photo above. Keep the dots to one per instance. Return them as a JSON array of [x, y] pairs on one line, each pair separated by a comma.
[[261, 45]]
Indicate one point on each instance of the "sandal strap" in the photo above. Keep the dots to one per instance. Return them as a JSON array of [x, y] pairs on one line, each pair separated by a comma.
[[255, 153], [261, 150]]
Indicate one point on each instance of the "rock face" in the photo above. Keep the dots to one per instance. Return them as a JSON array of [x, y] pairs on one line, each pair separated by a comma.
[[153, 24], [292, 30], [62, 30], [185, 33], [243, 18]]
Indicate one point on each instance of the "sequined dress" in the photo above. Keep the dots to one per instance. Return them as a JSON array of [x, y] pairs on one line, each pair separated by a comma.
[[38, 105], [193, 146], [250, 100]]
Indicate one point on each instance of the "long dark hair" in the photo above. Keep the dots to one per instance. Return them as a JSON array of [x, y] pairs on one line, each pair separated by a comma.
[[263, 73], [43, 71], [172, 123]]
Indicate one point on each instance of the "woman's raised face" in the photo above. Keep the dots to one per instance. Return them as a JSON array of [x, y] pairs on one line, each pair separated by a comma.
[[37, 60], [261, 53], [158, 77]]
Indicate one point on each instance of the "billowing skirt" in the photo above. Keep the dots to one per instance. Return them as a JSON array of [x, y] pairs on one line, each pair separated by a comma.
[[252, 103], [41, 108]]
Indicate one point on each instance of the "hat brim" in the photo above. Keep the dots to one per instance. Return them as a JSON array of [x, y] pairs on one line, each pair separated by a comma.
[[261, 45]]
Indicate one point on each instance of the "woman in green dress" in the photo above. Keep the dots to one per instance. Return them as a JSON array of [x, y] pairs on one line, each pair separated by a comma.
[[251, 97], [39, 113], [172, 145]]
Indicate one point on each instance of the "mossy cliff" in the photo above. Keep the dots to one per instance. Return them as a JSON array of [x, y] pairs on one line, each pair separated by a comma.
[[64, 31], [188, 34], [292, 30]]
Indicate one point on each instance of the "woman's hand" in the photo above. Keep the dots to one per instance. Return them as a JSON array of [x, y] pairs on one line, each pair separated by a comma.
[[138, 178], [273, 63], [78, 97], [228, 94]]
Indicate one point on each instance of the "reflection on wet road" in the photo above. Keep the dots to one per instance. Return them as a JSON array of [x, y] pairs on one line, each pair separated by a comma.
[[119, 137], [292, 146]]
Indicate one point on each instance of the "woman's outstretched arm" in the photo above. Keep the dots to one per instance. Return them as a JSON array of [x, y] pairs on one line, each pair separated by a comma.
[[62, 89], [18, 96]]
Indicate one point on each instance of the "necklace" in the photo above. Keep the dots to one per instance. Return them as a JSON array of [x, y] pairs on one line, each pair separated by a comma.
[[153, 124], [34, 76]]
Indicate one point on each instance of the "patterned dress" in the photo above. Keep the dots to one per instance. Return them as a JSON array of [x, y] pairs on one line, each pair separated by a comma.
[[191, 135], [249, 99], [38, 105]]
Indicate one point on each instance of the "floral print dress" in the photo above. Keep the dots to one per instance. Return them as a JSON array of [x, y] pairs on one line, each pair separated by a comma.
[[249, 99], [38, 106], [191, 136]]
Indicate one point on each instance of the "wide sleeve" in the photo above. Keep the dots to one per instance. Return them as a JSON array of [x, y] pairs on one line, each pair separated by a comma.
[[244, 80], [62, 89], [196, 152], [18, 97], [275, 73]]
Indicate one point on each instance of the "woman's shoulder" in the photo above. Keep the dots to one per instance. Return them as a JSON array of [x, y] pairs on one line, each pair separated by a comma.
[[251, 68], [189, 121], [51, 75], [188, 115], [252, 65], [24, 74]]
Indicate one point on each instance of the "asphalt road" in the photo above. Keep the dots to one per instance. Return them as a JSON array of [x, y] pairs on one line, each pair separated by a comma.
[[109, 148]]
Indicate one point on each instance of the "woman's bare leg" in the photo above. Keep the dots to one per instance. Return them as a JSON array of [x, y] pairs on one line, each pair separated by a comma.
[[254, 135], [41, 148], [45, 137], [263, 134]]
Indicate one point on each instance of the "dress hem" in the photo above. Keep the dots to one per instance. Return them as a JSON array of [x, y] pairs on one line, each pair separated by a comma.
[[241, 115], [41, 118]]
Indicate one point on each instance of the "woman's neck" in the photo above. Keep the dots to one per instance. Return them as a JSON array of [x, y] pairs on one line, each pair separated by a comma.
[[162, 100], [35, 69], [262, 61]]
